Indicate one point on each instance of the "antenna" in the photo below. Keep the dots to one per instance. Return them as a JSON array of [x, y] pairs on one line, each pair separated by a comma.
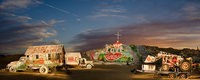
[[118, 35]]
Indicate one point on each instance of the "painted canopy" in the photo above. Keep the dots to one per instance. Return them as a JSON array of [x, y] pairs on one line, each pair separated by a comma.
[[44, 49]]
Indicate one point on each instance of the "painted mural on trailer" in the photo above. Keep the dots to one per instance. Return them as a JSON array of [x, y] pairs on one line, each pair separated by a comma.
[[45, 54]]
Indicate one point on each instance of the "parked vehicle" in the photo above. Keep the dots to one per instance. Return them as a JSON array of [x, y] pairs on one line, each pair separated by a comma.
[[74, 59], [170, 61], [46, 58], [166, 63]]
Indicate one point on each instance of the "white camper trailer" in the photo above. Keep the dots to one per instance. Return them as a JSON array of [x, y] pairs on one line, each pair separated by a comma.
[[74, 58]]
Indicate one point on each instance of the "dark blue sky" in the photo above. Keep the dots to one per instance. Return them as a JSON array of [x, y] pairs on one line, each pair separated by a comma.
[[89, 24]]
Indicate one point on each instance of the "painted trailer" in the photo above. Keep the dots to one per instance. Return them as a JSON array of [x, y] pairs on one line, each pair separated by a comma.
[[45, 58], [150, 68], [167, 64], [75, 59]]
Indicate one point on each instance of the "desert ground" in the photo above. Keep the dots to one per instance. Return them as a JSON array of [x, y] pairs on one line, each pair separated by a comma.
[[98, 72]]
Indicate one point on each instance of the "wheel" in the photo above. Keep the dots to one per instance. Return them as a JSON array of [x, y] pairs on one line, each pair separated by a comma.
[[182, 76], [44, 70], [185, 66], [12, 69], [165, 67], [133, 70], [172, 75], [88, 66]]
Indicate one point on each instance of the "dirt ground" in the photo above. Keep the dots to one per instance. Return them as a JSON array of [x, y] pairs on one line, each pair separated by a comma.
[[99, 72]]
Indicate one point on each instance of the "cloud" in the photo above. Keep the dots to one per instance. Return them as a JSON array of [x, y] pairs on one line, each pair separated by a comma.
[[17, 32], [191, 12], [142, 19], [113, 10], [106, 10], [17, 4], [53, 42], [8, 21], [63, 11], [177, 34], [107, 15]]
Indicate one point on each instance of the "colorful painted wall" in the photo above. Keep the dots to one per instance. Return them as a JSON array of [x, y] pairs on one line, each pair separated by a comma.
[[116, 52]]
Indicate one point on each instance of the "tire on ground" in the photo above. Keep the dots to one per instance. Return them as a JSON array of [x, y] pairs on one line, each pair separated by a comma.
[[185, 66], [165, 67], [182, 76], [44, 70], [88, 66], [133, 70], [172, 75], [12, 69]]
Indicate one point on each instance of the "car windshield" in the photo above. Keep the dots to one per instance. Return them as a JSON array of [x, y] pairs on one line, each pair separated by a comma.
[[21, 59]]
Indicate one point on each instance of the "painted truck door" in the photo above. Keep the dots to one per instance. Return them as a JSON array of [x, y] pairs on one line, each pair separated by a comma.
[[21, 64]]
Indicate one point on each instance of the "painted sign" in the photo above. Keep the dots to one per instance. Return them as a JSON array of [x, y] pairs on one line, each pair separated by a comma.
[[113, 53], [112, 57], [44, 49], [149, 59], [72, 58]]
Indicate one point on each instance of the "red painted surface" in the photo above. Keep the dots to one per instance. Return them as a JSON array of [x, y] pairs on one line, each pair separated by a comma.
[[44, 49], [117, 44], [112, 57], [41, 61], [73, 59], [148, 59]]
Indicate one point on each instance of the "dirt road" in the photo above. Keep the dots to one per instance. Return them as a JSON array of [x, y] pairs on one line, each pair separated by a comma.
[[99, 72]]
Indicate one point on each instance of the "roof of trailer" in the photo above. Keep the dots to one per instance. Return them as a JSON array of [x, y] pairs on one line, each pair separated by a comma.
[[44, 49]]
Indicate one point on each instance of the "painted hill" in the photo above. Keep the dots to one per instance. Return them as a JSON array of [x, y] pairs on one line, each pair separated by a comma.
[[140, 52]]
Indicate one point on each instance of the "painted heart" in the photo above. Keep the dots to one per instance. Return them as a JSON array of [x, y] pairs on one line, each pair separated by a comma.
[[112, 57]]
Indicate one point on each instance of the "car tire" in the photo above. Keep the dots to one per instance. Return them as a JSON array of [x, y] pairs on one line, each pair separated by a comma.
[[88, 66], [12, 69], [186, 66], [165, 67], [44, 70], [172, 76], [182, 76]]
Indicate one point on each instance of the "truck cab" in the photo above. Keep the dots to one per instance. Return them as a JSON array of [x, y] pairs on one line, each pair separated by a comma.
[[14, 66]]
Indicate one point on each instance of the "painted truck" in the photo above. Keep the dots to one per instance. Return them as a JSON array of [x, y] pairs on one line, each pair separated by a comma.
[[169, 64], [46, 58], [169, 61]]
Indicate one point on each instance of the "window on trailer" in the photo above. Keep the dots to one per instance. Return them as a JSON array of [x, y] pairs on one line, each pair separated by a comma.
[[37, 56], [27, 56], [49, 56], [57, 56]]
